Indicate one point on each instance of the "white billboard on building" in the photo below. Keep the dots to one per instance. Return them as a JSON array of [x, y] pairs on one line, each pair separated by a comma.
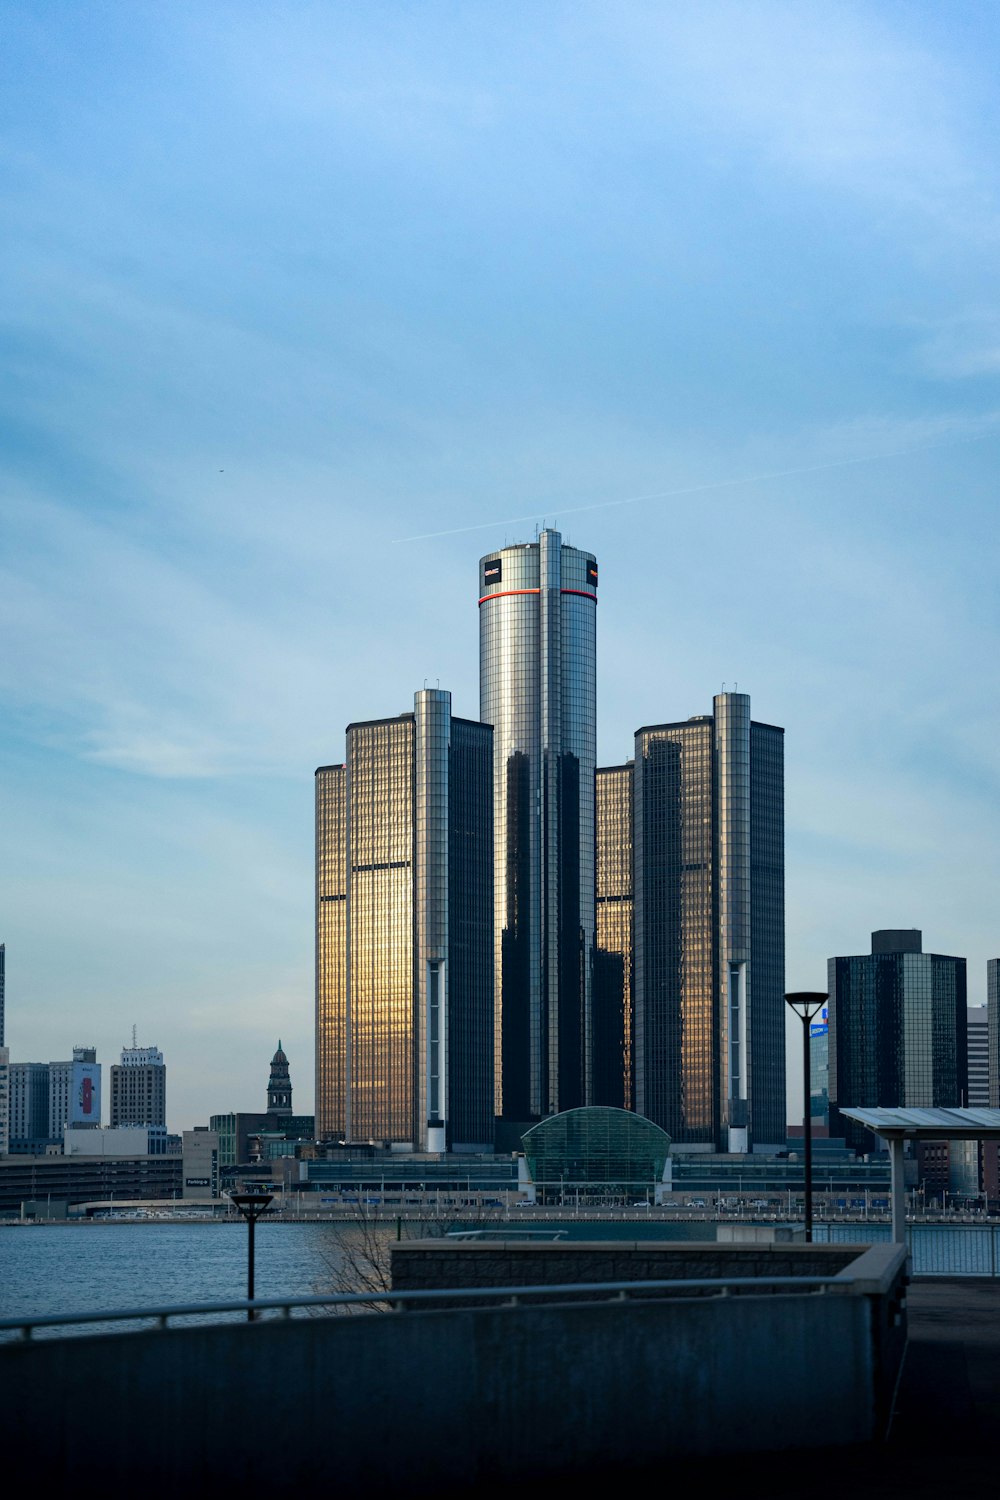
[[85, 1094]]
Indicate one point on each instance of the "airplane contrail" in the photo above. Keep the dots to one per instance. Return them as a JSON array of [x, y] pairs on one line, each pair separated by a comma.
[[691, 489]]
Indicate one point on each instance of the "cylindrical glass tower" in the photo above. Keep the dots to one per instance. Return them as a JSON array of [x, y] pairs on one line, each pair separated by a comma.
[[538, 671]]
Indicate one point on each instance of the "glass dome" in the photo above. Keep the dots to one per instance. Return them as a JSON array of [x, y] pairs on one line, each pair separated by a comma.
[[596, 1144]]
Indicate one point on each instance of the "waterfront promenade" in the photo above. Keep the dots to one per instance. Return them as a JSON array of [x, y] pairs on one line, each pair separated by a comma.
[[941, 1438]]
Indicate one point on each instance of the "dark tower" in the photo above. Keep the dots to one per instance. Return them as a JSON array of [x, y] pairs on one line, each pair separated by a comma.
[[279, 1085], [897, 1036], [692, 937]]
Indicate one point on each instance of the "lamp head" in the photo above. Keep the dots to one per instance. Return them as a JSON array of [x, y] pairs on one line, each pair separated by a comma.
[[806, 1003], [251, 1205]]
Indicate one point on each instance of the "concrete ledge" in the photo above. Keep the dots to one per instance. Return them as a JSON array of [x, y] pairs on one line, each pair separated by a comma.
[[439, 1401], [875, 1270], [432, 1263]]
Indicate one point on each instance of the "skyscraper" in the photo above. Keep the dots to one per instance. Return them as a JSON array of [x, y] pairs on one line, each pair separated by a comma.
[[993, 1028], [897, 1029], [978, 1053], [819, 1072], [706, 909], [613, 1079], [4, 1100], [4, 1065], [537, 645], [404, 932], [139, 1087]]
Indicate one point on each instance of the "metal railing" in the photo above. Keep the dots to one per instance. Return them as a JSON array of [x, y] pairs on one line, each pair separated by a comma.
[[22, 1329], [504, 1232], [935, 1249]]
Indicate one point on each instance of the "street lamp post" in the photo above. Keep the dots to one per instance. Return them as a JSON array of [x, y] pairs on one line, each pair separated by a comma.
[[251, 1206], [806, 1005]]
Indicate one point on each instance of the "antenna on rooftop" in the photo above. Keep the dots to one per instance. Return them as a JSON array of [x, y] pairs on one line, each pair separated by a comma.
[[133, 1039]]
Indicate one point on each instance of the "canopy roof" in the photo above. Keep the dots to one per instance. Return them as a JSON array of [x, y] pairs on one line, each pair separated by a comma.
[[930, 1124]]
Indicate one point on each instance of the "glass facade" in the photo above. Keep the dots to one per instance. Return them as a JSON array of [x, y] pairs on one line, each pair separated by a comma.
[[708, 982], [381, 1031], [993, 1028], [819, 1070], [612, 1003], [596, 1145], [537, 613], [391, 1015], [677, 1034], [470, 936], [766, 970], [897, 1034], [331, 951], [224, 1127]]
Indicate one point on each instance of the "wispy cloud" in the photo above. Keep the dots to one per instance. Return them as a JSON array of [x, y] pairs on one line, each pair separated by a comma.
[[841, 96], [962, 347]]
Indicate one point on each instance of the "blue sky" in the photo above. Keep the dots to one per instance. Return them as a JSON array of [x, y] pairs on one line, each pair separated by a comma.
[[286, 286]]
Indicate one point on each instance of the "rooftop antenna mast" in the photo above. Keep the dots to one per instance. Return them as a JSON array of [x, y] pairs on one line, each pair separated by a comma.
[[133, 1039]]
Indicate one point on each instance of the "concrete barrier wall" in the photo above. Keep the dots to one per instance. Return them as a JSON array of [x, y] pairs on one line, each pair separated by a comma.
[[426, 1264], [424, 1401]]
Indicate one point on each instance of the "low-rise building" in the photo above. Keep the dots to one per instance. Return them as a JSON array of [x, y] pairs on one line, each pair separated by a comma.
[[120, 1140], [51, 1180], [201, 1163]]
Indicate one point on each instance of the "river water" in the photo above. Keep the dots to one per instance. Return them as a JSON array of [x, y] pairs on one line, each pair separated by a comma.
[[90, 1267], [95, 1267]]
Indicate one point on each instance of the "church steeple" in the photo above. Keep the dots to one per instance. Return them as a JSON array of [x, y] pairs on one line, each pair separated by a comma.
[[279, 1085]]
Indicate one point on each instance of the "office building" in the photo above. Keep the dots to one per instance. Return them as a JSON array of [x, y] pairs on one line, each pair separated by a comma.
[[897, 1030], [404, 936], [613, 1082], [246, 1137], [537, 639], [201, 1163], [74, 1092], [977, 1031], [705, 1037], [29, 1104], [139, 1087], [118, 1140], [819, 1072], [993, 1028], [4, 1101]]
